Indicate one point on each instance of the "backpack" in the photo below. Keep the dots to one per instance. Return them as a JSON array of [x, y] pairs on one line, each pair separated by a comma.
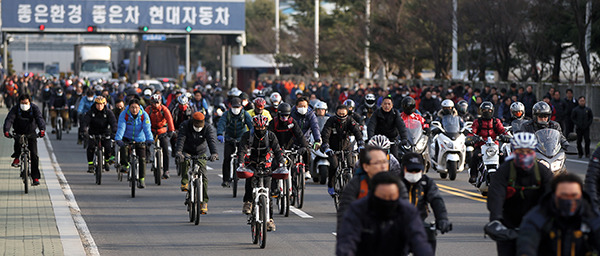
[[512, 179]]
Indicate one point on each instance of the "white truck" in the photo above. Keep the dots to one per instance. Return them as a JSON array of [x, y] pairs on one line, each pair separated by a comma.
[[93, 61]]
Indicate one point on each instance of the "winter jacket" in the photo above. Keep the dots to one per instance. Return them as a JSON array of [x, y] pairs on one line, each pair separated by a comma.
[[592, 178], [532, 127], [570, 105], [24, 122], [509, 203], [195, 143], [487, 128], [288, 133], [85, 105], [362, 232], [528, 99], [544, 232], [232, 126], [308, 123], [389, 124], [425, 193], [160, 119], [430, 105], [582, 117], [99, 122], [136, 129], [560, 106], [337, 134], [58, 102], [258, 151], [264, 113]]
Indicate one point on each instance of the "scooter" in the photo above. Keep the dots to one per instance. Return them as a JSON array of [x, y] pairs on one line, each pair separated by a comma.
[[490, 160], [418, 141], [447, 149], [320, 166]]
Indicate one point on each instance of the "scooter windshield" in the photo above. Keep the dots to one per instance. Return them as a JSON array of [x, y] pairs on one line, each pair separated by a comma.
[[451, 124], [414, 129], [517, 125], [548, 142]]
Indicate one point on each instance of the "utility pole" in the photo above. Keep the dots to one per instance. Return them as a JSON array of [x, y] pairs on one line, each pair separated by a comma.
[[367, 39], [187, 57], [316, 66], [276, 36], [454, 40]]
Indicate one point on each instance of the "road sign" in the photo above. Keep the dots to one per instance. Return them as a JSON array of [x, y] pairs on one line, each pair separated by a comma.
[[154, 37]]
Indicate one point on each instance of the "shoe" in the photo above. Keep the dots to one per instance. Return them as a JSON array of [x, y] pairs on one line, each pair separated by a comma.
[[53, 131], [16, 163], [307, 176], [472, 180], [247, 208], [111, 160], [184, 187], [225, 184], [331, 191], [166, 175], [35, 182], [203, 208], [271, 225], [79, 142], [106, 167], [141, 183], [124, 169], [275, 193], [91, 168]]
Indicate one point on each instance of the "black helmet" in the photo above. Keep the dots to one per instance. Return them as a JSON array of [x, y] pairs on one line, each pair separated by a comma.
[[487, 110], [284, 109], [541, 109], [462, 107], [408, 105]]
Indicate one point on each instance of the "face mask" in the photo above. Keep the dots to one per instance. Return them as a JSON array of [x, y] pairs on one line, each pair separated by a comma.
[[386, 209], [46, 89], [404, 94], [341, 118], [260, 133], [525, 161], [90, 98], [59, 94], [244, 103], [568, 207], [198, 129], [413, 177], [236, 111], [433, 96], [25, 107], [302, 111]]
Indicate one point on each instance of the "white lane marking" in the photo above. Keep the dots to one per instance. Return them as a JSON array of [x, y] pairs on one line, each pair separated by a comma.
[[209, 168], [220, 175], [231, 211], [67, 212], [334, 233], [300, 213], [577, 161]]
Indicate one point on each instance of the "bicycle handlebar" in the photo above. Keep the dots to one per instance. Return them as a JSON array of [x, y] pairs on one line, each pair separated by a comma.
[[196, 157]]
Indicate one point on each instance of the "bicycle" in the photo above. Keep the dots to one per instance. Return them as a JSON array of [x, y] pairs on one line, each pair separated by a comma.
[[60, 124], [298, 180], [25, 158], [133, 175], [157, 165], [195, 193], [259, 216], [284, 186], [232, 165], [343, 175], [99, 163], [117, 160]]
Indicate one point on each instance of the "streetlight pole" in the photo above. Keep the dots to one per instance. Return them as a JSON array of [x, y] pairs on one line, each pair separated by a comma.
[[367, 40], [316, 66], [454, 40], [276, 35]]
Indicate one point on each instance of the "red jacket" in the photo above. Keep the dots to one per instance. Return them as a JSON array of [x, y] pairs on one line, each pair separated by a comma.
[[414, 116], [492, 127], [160, 119]]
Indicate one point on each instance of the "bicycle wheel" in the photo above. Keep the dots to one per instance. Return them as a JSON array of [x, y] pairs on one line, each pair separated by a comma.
[[254, 227], [59, 127], [158, 169], [190, 204], [294, 193], [280, 200], [134, 175], [235, 180], [25, 172], [263, 219], [197, 191], [300, 186], [286, 197], [99, 162]]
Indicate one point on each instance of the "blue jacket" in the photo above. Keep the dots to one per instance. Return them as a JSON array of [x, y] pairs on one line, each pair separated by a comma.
[[233, 127], [85, 105], [134, 128], [308, 123]]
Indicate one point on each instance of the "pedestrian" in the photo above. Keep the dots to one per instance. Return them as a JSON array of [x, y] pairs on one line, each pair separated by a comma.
[[560, 107], [381, 223], [528, 99], [571, 104], [592, 178], [564, 222], [583, 118]]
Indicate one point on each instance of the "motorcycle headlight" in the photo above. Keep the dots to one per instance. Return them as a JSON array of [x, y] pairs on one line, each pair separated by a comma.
[[554, 167], [491, 152], [421, 144], [450, 144], [545, 163]]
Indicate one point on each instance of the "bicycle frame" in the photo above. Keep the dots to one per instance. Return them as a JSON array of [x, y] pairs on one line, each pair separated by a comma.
[[259, 189], [24, 157]]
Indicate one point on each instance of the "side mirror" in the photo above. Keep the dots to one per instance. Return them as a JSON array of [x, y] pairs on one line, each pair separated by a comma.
[[572, 136]]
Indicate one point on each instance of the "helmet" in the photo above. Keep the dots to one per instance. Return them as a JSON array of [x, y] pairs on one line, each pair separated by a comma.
[[260, 121], [523, 140], [487, 110], [350, 103], [541, 109], [370, 100], [517, 110], [235, 92], [408, 104], [59, 91], [321, 105], [284, 109], [256, 93], [275, 98], [147, 92], [447, 104], [156, 98], [462, 107], [259, 103], [100, 100], [182, 99], [380, 141]]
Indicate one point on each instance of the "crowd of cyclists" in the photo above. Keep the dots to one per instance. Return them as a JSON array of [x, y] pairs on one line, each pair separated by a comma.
[[342, 125]]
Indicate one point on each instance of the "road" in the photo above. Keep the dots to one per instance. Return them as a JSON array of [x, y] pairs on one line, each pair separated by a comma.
[[155, 222]]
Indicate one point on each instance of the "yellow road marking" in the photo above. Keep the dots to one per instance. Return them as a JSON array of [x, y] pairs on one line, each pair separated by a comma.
[[461, 191], [463, 195]]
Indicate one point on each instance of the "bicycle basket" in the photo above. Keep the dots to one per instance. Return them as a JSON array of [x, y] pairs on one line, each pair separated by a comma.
[[281, 173], [244, 173]]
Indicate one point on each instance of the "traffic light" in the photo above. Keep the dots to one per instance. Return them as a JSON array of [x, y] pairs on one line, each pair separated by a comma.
[[91, 29], [188, 29], [143, 28], [42, 27]]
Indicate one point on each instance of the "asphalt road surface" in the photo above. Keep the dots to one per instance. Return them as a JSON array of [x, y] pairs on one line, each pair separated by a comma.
[[156, 221]]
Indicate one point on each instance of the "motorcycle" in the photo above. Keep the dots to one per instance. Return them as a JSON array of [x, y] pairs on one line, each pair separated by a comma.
[[320, 166], [490, 160], [550, 151], [417, 141], [447, 149]]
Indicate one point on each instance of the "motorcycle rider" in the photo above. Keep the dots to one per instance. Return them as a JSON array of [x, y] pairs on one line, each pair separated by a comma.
[[259, 146], [230, 129], [161, 122], [335, 138], [368, 108], [275, 101], [485, 126], [515, 189], [355, 115], [423, 193], [517, 113], [58, 102], [462, 108], [447, 109], [259, 109], [321, 113], [387, 121], [409, 112], [100, 121], [541, 120]]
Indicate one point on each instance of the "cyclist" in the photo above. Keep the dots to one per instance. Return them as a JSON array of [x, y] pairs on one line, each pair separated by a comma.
[[119, 106], [180, 112], [194, 137], [134, 125], [462, 107], [288, 132], [355, 115], [387, 121], [201, 105], [161, 123], [275, 101], [321, 113], [259, 109], [307, 120], [85, 104], [368, 108], [58, 101], [232, 126], [383, 142], [24, 119], [100, 121], [259, 146], [335, 138]]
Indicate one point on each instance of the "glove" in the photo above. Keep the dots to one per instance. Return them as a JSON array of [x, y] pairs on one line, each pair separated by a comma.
[[42, 134], [329, 152], [324, 147], [149, 143], [498, 232], [317, 145], [7, 135], [301, 151], [179, 156], [220, 138], [405, 142], [170, 134], [120, 143], [214, 157], [427, 130], [443, 226]]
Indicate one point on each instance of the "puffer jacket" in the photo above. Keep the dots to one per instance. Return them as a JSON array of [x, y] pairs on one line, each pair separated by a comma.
[[136, 129], [389, 124], [592, 178], [425, 193], [85, 105], [195, 143], [160, 119], [232, 126], [308, 123], [100, 122], [582, 117]]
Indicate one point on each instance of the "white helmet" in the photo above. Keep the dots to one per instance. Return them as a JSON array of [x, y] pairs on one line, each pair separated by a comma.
[[235, 92], [275, 97], [447, 104], [380, 141], [321, 105], [524, 140], [182, 99]]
